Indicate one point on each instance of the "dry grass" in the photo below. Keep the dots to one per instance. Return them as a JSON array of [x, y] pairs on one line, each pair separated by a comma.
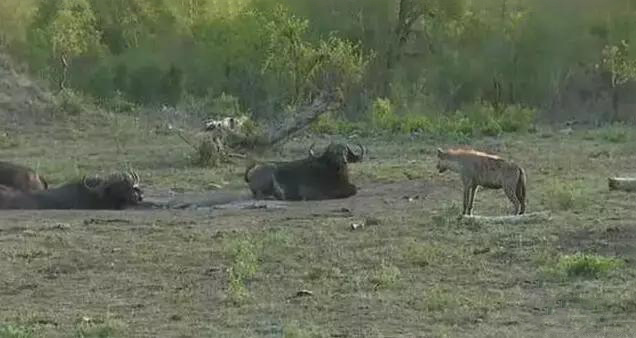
[[415, 272]]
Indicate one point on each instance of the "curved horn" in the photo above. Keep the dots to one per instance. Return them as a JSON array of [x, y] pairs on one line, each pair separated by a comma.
[[362, 151], [357, 157], [134, 177], [311, 151]]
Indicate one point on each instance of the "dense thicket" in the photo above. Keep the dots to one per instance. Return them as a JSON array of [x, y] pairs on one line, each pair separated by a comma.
[[408, 57]]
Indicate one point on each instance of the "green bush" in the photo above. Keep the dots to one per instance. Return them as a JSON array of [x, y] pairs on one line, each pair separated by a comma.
[[615, 133], [563, 196], [10, 331], [586, 265], [71, 102], [516, 118], [145, 84], [384, 118], [383, 115]]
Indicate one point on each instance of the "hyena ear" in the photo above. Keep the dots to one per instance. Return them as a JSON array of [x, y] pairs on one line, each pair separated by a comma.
[[440, 152]]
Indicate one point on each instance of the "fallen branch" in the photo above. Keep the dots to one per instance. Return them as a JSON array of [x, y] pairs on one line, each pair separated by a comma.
[[236, 155], [622, 183], [533, 217], [324, 103]]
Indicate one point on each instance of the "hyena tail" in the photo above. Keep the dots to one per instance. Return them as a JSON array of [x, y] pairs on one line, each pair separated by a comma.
[[521, 190]]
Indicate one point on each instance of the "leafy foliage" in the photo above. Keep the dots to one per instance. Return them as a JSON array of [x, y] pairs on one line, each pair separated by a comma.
[[430, 59]]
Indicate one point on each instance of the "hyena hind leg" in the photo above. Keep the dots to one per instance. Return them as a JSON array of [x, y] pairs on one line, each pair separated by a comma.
[[512, 196], [521, 196]]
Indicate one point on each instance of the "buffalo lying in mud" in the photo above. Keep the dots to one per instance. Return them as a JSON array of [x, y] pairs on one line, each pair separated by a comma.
[[116, 191], [21, 178], [312, 178]]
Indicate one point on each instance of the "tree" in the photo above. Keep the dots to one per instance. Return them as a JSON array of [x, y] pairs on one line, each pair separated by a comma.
[[620, 68], [72, 32], [409, 13]]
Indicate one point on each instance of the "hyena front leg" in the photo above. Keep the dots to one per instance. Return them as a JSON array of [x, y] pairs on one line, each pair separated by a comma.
[[469, 192], [467, 203], [471, 198]]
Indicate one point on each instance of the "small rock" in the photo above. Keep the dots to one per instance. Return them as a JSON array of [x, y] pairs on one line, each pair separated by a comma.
[[355, 226], [61, 226], [304, 293], [481, 251], [212, 270], [29, 233]]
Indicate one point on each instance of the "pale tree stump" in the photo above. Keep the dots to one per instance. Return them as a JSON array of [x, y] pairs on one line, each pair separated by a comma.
[[622, 183]]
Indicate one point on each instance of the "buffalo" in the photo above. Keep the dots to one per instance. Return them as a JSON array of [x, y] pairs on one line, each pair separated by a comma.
[[21, 178], [115, 192], [313, 178]]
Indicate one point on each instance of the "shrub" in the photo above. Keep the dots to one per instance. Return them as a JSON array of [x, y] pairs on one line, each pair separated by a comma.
[[209, 152], [586, 265], [385, 277], [383, 116], [244, 253], [563, 196], [516, 118], [616, 133], [10, 331], [70, 102]]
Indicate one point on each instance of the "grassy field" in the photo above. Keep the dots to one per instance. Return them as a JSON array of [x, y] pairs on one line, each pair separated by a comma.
[[414, 270]]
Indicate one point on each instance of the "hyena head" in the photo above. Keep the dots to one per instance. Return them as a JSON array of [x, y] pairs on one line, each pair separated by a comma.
[[443, 163]]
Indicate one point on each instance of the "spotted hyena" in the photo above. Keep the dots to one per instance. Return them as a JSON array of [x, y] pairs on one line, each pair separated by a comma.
[[479, 169]]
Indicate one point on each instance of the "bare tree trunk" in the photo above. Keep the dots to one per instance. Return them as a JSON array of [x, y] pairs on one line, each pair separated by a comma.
[[408, 14], [62, 83], [615, 101]]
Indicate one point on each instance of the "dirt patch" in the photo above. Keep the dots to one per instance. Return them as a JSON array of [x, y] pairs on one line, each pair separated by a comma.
[[615, 240]]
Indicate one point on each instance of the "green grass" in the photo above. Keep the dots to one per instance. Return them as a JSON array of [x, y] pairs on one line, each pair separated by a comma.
[[386, 276], [244, 252], [10, 331]]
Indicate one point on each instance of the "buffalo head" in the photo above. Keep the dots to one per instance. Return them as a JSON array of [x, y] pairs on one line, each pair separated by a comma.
[[117, 191], [338, 155]]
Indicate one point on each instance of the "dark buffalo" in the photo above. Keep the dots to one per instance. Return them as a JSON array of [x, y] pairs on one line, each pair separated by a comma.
[[21, 178], [312, 178], [118, 191]]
